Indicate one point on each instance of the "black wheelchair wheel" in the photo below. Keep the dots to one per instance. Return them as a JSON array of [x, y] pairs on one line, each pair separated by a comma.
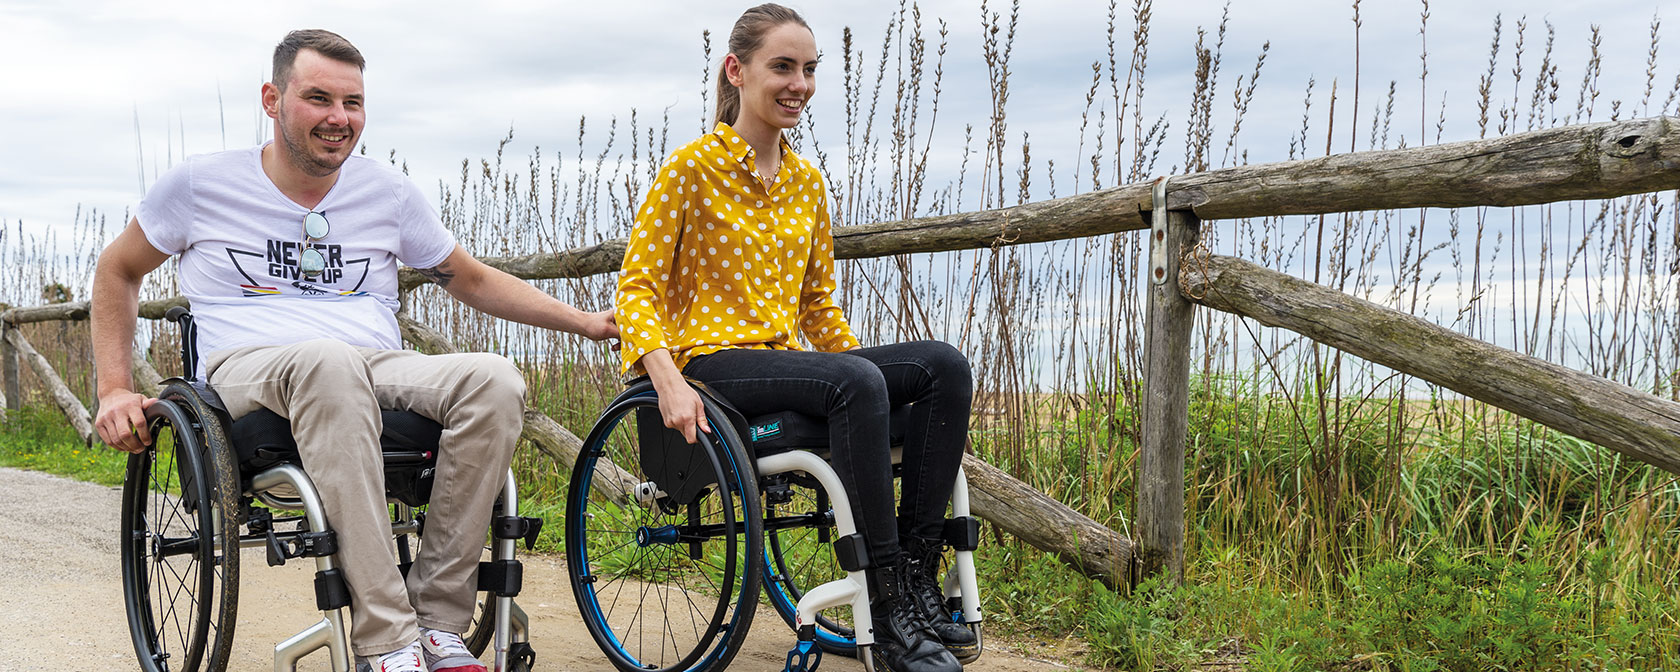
[[483, 629], [180, 545], [665, 582], [798, 555]]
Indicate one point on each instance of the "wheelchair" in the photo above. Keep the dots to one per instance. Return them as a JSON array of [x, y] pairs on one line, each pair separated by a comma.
[[669, 544], [186, 498]]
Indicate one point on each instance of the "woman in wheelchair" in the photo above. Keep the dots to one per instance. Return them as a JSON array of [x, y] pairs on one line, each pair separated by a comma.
[[731, 256]]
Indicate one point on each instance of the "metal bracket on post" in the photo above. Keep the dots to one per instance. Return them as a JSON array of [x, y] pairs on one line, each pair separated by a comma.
[[1158, 232]]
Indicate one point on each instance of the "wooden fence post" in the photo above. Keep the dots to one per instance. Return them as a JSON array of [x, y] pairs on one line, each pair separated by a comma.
[[12, 393], [1166, 395], [66, 400]]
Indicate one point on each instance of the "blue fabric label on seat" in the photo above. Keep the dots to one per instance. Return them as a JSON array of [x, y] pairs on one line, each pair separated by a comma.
[[766, 431]]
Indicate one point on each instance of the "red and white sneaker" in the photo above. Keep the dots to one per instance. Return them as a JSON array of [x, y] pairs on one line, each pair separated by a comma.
[[445, 652], [406, 659]]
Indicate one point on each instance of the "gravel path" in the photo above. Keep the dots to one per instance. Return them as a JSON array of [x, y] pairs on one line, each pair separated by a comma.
[[61, 596]]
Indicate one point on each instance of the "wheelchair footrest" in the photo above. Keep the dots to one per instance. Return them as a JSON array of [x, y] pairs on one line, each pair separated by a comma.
[[805, 656], [517, 527], [501, 577], [331, 592]]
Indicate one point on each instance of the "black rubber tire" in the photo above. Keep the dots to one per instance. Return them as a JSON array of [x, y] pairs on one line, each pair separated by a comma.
[[483, 628], [705, 605], [180, 542]]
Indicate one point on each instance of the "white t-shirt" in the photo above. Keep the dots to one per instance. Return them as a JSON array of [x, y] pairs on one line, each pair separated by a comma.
[[238, 238]]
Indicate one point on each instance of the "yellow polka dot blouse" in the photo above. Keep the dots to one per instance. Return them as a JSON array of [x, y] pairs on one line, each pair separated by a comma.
[[719, 260]]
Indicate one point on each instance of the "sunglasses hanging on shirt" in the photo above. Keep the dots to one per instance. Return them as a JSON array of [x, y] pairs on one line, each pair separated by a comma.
[[310, 261]]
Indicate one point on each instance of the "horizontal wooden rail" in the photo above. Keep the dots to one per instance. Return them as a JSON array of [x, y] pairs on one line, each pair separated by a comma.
[[1636, 424], [1603, 160], [78, 310]]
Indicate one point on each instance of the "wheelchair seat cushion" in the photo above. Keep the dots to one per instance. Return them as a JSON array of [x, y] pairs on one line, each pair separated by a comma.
[[783, 431], [409, 441]]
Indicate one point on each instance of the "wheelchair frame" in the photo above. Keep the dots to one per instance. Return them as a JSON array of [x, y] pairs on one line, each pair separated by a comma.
[[802, 610], [203, 468]]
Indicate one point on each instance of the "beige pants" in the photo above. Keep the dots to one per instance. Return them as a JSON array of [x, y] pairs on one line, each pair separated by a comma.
[[332, 393]]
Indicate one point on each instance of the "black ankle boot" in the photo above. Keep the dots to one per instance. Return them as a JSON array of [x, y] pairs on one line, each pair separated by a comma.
[[904, 642], [926, 589]]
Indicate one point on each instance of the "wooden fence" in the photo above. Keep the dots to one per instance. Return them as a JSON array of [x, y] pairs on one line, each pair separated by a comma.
[[1592, 161]]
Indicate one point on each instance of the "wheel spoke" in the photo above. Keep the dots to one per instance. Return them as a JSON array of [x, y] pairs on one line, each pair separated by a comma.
[[693, 592], [177, 569]]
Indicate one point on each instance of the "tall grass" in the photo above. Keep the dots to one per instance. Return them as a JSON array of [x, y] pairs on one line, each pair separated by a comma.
[[1379, 504]]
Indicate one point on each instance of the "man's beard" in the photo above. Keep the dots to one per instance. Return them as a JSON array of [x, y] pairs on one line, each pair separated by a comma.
[[305, 161]]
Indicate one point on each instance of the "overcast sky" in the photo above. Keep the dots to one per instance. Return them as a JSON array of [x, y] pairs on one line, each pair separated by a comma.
[[102, 94]]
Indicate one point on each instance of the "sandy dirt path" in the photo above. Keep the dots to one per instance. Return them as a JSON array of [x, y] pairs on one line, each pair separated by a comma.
[[61, 596]]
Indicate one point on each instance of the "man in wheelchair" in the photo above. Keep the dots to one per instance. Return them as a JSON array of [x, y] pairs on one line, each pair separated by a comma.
[[288, 253]]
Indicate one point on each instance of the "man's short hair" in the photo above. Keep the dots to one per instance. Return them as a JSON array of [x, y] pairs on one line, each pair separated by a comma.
[[327, 43]]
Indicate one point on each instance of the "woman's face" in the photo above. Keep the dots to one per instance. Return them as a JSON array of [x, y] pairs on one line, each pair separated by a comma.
[[779, 79]]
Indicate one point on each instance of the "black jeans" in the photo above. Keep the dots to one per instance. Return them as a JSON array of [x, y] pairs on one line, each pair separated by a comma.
[[855, 390]]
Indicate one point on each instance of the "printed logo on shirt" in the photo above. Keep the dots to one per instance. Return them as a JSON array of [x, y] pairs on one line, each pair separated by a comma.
[[279, 263]]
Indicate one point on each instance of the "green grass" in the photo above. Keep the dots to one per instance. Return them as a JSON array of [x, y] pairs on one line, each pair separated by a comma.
[[1467, 544], [1373, 535], [1441, 610], [36, 437]]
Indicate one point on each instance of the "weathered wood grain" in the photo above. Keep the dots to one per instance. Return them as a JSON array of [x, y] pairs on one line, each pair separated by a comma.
[[1636, 424], [11, 390], [1601, 160], [582, 262], [1048, 525], [78, 310], [1166, 404], [66, 400]]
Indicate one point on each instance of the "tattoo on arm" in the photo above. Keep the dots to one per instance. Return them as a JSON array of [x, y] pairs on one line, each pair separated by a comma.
[[440, 275]]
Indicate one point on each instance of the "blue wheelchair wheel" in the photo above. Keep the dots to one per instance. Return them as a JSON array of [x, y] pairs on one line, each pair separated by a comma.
[[798, 555], [663, 540]]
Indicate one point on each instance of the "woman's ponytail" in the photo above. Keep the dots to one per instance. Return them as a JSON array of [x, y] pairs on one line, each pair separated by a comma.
[[728, 100]]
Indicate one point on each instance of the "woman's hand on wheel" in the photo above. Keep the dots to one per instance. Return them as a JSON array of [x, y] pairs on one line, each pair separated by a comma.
[[683, 411], [679, 404]]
